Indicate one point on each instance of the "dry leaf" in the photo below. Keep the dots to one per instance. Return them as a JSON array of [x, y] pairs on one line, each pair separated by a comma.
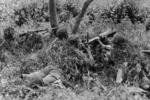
[[4, 82], [49, 79], [138, 68], [119, 78], [52, 77], [134, 90]]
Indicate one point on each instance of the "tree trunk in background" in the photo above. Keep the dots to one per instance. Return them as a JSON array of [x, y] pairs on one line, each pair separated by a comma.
[[80, 16], [53, 16]]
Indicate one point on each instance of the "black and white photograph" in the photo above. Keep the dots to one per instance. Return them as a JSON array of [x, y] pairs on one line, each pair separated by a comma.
[[74, 49]]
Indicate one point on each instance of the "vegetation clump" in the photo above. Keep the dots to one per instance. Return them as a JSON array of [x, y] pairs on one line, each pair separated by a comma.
[[126, 8]]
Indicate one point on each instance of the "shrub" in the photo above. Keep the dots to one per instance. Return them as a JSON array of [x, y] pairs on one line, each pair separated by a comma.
[[30, 41], [31, 12], [69, 6], [9, 34], [127, 8]]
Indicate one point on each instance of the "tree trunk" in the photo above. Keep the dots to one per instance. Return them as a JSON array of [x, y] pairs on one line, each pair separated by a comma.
[[53, 16], [80, 16]]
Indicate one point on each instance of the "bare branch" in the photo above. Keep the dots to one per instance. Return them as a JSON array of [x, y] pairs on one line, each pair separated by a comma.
[[80, 16]]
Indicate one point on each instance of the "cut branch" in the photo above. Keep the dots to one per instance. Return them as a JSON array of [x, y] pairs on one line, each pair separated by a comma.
[[36, 31], [80, 16], [109, 33], [96, 39], [146, 52], [53, 16], [90, 55]]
